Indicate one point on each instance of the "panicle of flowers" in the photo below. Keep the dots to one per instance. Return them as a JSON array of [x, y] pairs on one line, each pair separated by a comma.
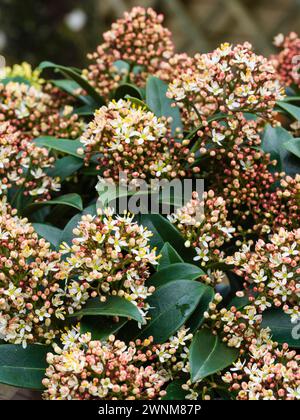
[[84, 369], [35, 112], [273, 271], [24, 165], [231, 79], [110, 255], [268, 373], [204, 224], [287, 61], [31, 300], [138, 39], [132, 140]]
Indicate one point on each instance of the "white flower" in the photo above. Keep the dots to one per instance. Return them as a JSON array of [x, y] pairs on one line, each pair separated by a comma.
[[217, 137]]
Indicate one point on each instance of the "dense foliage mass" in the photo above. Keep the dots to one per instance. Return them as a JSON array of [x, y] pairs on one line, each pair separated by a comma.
[[202, 304]]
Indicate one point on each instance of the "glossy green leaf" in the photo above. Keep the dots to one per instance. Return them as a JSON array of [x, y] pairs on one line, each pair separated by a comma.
[[171, 306], [283, 331], [163, 231], [114, 306], [175, 392], [168, 256], [101, 327], [51, 233], [197, 318], [173, 272], [293, 146], [65, 167], [71, 200], [127, 89], [292, 110], [157, 100], [61, 145], [23, 368], [74, 75], [209, 355]]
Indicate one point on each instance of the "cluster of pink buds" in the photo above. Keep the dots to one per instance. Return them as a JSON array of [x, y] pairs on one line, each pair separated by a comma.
[[24, 165], [228, 80], [140, 40], [112, 370], [268, 373], [110, 255], [132, 140], [273, 271], [205, 226], [287, 61], [31, 300], [35, 112]]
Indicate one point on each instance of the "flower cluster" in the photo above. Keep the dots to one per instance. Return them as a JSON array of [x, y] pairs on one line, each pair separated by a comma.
[[269, 373], [23, 71], [31, 300], [138, 40], [228, 80], [205, 226], [34, 112], [89, 370], [109, 256], [23, 165], [273, 270], [132, 140], [287, 61]]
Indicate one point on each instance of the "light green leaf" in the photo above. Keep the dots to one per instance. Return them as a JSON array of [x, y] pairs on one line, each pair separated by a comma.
[[71, 200], [51, 233], [65, 167], [293, 146], [61, 145], [292, 110]]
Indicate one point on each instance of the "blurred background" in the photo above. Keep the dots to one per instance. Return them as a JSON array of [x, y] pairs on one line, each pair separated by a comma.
[[65, 30]]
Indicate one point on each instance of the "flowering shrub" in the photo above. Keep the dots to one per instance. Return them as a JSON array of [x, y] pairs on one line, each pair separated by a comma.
[[192, 295]]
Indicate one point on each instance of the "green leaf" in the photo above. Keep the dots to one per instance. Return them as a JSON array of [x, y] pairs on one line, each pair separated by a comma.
[[209, 355], [67, 233], [71, 200], [114, 306], [175, 272], [293, 146], [127, 89], [168, 256], [197, 318], [292, 110], [65, 167], [163, 231], [274, 141], [23, 368], [157, 100], [139, 103], [74, 75], [61, 145], [283, 331], [101, 327], [175, 391], [171, 306], [51, 233]]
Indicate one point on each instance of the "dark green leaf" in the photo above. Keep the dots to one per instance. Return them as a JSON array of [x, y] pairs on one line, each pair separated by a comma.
[[74, 75], [209, 355], [61, 145], [67, 233], [292, 110], [175, 391], [125, 90], [175, 272], [114, 306], [65, 167], [101, 327], [71, 200], [293, 146], [157, 100], [283, 331], [168, 256], [23, 368], [51, 233], [171, 306], [197, 318]]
